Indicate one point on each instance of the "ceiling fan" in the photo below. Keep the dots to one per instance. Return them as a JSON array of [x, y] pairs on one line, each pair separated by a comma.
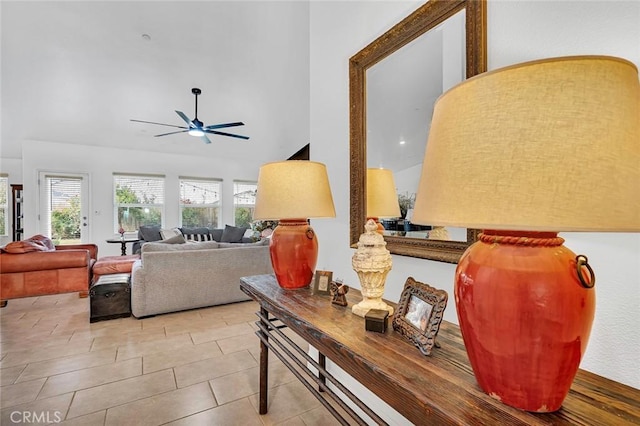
[[197, 127]]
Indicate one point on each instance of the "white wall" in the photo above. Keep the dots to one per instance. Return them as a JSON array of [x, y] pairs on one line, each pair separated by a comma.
[[101, 163], [517, 31]]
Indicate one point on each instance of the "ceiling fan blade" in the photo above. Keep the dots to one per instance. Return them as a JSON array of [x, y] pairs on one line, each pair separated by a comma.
[[205, 139], [220, 126], [185, 118], [161, 124], [172, 133], [225, 134]]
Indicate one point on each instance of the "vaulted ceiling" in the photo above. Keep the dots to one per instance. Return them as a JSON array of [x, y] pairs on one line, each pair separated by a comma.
[[77, 72]]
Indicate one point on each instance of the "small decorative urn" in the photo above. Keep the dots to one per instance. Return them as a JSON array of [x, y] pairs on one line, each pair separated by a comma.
[[372, 263]]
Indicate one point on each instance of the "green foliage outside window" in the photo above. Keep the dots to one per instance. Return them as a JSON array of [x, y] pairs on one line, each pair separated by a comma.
[[133, 212], [65, 221], [125, 195], [194, 217], [200, 202], [244, 217]]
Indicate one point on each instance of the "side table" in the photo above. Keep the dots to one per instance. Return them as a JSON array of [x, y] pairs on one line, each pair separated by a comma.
[[123, 241]]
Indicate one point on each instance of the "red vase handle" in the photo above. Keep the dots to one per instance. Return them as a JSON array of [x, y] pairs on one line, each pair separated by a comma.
[[581, 260]]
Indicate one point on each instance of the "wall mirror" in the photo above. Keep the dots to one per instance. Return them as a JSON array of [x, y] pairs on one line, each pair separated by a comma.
[[393, 84]]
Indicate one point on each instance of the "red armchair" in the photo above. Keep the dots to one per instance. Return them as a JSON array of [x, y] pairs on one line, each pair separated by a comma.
[[36, 267]]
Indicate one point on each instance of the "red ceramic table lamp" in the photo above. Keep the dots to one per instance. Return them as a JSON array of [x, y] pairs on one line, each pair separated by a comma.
[[292, 192], [524, 152], [382, 196]]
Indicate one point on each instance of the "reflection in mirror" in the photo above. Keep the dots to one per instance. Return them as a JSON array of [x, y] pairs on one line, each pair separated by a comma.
[[382, 196], [401, 92], [382, 116]]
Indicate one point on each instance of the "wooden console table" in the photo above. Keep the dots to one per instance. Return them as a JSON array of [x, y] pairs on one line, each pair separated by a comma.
[[434, 390]]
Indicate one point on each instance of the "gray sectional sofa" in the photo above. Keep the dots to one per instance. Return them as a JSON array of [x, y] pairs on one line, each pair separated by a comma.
[[177, 277]]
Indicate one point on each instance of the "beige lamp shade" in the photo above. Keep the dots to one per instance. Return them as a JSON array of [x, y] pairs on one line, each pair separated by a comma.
[[550, 145], [382, 198], [293, 190]]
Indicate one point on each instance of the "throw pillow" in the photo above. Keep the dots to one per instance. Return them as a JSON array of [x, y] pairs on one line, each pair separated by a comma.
[[169, 233], [177, 239], [216, 234], [149, 233], [232, 234], [196, 234]]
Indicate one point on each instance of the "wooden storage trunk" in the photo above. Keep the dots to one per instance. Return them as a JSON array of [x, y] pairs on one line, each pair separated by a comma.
[[110, 297]]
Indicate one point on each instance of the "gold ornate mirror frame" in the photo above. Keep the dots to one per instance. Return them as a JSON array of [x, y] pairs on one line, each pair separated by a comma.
[[426, 17]]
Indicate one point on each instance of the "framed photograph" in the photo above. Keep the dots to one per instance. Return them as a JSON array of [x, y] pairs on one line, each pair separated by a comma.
[[322, 282], [419, 314]]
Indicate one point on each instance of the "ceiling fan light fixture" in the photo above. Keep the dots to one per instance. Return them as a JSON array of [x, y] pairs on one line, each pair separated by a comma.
[[196, 127]]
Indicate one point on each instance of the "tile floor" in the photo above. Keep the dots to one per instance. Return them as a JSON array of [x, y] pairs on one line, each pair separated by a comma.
[[197, 367]]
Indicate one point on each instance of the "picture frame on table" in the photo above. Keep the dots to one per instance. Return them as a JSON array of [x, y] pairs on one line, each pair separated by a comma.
[[419, 314], [322, 282]]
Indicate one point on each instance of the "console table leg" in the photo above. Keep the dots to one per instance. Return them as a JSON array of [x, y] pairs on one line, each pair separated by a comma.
[[322, 360], [264, 367]]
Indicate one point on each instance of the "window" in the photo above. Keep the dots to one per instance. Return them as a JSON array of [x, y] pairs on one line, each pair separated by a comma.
[[138, 200], [200, 202], [63, 208], [4, 204], [244, 202]]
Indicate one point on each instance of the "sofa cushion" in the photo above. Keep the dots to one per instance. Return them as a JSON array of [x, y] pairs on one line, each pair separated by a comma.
[[149, 233], [114, 264], [264, 242], [158, 246], [169, 233], [178, 239], [232, 234], [196, 234], [216, 234]]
